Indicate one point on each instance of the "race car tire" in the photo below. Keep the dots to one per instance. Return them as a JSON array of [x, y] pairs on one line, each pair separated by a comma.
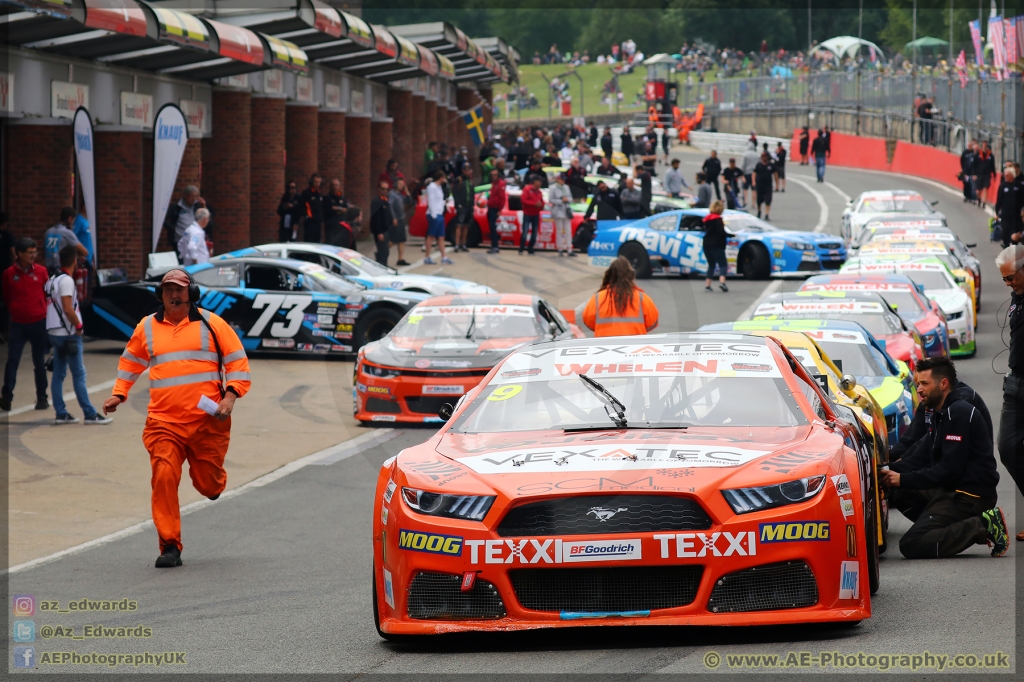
[[637, 256], [753, 262], [376, 615], [375, 324]]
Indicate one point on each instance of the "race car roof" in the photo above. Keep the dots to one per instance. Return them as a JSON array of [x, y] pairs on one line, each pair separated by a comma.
[[889, 193], [850, 302], [859, 282], [480, 299], [904, 223], [906, 246]]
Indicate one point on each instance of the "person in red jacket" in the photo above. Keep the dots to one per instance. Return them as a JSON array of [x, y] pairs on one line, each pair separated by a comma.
[[496, 199], [391, 175], [533, 204], [23, 293]]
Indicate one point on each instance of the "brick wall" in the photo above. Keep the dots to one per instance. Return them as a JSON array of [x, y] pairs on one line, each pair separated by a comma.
[[417, 111], [123, 230], [37, 177], [190, 172], [266, 174], [331, 136], [442, 126], [455, 126], [429, 123], [400, 108], [357, 163], [488, 96], [226, 165], [467, 99], [301, 134], [381, 150]]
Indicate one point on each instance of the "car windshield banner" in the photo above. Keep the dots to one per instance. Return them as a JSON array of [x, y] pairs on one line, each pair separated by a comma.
[[84, 140], [170, 135]]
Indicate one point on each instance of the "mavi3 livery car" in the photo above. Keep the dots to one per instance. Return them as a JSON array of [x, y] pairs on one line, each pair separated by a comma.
[[630, 481], [273, 304], [442, 348], [673, 243]]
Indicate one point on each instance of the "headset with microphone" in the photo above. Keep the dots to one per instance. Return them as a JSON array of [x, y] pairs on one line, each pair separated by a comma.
[[193, 288], [193, 299]]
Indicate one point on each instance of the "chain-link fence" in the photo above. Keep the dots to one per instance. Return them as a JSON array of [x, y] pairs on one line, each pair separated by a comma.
[[869, 103]]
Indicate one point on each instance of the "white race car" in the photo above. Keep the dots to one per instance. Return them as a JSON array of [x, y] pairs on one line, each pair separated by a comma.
[[368, 272], [891, 203]]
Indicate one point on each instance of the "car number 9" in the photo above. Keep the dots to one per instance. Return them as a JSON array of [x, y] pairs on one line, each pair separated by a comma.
[[505, 392]]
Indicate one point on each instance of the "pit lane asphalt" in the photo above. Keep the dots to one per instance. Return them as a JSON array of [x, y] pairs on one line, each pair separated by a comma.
[[277, 580]]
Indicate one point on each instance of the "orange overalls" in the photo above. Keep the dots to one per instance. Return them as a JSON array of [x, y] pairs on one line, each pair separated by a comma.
[[183, 366], [640, 316]]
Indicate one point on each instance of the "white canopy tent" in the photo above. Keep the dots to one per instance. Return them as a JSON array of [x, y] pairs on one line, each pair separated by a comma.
[[848, 46]]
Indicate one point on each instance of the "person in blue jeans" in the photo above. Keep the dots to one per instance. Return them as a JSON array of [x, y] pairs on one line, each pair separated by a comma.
[[716, 238], [819, 148], [64, 326]]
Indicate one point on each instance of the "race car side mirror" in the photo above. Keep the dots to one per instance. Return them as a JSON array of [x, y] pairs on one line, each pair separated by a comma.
[[934, 203], [959, 279], [847, 382], [970, 245], [446, 412]]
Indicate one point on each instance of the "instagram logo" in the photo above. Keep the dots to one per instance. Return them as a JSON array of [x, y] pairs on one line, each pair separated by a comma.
[[24, 605]]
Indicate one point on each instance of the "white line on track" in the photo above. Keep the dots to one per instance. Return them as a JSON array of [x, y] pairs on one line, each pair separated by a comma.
[[822, 206], [768, 291], [846, 197], [67, 396], [329, 455]]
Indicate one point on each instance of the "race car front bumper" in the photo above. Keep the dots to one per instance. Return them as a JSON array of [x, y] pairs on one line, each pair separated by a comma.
[[961, 336], [413, 396]]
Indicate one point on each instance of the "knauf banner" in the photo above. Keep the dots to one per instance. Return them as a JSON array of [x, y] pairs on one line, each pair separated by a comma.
[[84, 139], [170, 135]]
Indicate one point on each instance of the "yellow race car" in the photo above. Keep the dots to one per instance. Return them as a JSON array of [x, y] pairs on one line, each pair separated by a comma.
[[917, 249]]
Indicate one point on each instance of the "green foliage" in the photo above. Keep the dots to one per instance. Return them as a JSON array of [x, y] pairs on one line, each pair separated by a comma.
[[932, 21]]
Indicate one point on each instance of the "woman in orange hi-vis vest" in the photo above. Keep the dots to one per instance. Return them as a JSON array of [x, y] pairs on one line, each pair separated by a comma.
[[620, 308], [190, 407]]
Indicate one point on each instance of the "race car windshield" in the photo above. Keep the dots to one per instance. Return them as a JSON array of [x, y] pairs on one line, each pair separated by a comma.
[[650, 402], [856, 358], [320, 279], [748, 223], [472, 322], [371, 267], [896, 205], [932, 280], [879, 324]]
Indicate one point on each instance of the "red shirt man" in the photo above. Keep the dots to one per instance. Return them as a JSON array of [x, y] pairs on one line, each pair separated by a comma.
[[22, 285]]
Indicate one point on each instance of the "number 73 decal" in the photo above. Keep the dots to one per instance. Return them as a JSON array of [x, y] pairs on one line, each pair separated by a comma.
[[294, 304]]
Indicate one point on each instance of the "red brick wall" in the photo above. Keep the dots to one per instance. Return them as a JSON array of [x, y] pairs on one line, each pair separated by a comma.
[[37, 178], [190, 172], [442, 126], [455, 128], [488, 96], [301, 132], [123, 230], [226, 165], [266, 174], [381, 150], [357, 163], [429, 123], [419, 142], [400, 108], [331, 136]]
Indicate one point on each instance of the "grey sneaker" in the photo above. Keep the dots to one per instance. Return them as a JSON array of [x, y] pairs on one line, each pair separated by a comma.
[[98, 419], [447, 261], [65, 419], [429, 261]]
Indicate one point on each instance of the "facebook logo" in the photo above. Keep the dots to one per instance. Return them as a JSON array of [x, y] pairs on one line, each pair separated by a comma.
[[24, 657], [24, 631]]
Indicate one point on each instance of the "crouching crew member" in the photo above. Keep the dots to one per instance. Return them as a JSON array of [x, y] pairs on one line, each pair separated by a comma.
[[946, 484], [190, 406]]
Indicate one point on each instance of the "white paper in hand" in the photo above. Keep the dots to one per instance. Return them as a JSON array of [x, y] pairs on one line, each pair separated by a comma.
[[208, 406]]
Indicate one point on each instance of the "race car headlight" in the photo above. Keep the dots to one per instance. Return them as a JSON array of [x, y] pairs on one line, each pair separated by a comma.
[[954, 316], [383, 372], [468, 507], [746, 500], [800, 246]]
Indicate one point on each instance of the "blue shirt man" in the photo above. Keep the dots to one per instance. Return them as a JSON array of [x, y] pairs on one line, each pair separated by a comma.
[[81, 230]]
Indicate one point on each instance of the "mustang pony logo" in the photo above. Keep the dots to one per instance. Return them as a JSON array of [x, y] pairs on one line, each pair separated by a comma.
[[602, 514]]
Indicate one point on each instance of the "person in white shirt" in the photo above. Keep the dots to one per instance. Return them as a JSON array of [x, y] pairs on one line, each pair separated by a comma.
[[435, 220], [192, 246]]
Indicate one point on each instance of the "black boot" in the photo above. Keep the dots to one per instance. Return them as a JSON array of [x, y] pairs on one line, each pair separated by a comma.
[[170, 557]]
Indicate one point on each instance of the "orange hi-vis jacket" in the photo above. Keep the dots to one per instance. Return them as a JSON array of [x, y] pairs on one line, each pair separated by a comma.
[[182, 362], [640, 316]]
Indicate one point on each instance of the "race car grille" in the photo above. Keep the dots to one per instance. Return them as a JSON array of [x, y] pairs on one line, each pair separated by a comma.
[[604, 514], [830, 245], [788, 585], [438, 596], [954, 344], [807, 266], [381, 405], [633, 588], [422, 404], [831, 263]]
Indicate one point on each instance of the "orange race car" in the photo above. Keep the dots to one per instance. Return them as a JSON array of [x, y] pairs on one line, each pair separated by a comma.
[[442, 348], [630, 481]]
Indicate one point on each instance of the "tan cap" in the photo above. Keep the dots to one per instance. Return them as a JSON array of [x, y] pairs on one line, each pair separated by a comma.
[[176, 276]]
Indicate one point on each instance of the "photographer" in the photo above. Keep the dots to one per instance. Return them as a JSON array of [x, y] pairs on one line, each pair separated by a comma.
[[947, 484]]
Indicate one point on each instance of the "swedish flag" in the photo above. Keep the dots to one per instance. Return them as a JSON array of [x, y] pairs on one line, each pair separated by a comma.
[[474, 119]]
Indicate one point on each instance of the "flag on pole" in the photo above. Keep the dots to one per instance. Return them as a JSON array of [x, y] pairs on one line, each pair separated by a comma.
[[1018, 23], [474, 119], [996, 37], [979, 54], [961, 68], [1010, 31]]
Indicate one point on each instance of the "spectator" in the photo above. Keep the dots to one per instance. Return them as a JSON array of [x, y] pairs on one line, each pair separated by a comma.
[[750, 159], [1009, 204], [828, 142], [966, 164], [763, 173], [533, 203], [465, 200], [924, 112], [632, 201], [575, 178], [626, 144], [192, 247], [82, 232], [819, 149], [391, 174], [428, 155], [674, 180], [64, 326], [607, 169], [805, 141], [536, 173], [496, 198], [381, 222], [59, 236], [982, 170], [7, 257], [311, 207], [606, 203], [643, 176], [337, 232], [666, 142], [592, 133], [182, 214], [25, 300], [712, 169], [401, 202], [731, 178], [560, 196], [780, 168], [606, 143], [435, 219], [703, 192], [287, 209]]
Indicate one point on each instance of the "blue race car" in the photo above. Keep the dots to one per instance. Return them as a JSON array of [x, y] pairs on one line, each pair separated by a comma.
[[672, 243]]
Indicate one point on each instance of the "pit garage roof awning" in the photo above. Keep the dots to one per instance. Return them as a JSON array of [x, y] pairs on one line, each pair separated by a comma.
[[506, 55], [470, 61], [342, 41], [139, 35]]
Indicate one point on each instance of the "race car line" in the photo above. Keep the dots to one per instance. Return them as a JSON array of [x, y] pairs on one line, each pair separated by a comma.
[[335, 453]]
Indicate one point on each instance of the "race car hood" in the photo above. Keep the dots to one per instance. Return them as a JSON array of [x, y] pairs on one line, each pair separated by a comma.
[[441, 354], [800, 236], [431, 284], [643, 460], [885, 390], [950, 300]]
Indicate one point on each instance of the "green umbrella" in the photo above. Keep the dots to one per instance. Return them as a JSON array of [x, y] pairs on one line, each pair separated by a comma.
[[926, 41]]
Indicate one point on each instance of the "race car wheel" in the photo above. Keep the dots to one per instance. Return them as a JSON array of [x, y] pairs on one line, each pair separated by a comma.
[[754, 262], [374, 325], [637, 256]]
